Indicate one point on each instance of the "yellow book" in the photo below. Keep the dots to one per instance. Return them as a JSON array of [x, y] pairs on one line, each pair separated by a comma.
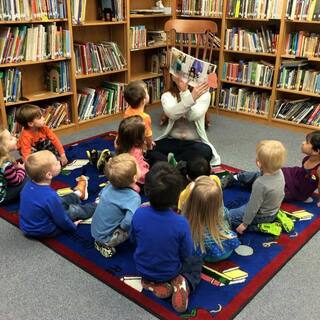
[[64, 191], [237, 9], [311, 10], [236, 274], [300, 214]]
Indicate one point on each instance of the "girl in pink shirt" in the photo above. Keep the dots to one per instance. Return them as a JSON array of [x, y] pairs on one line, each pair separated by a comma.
[[131, 139]]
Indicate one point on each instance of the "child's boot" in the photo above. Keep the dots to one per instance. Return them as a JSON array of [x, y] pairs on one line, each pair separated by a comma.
[[104, 157], [82, 187], [286, 223], [92, 155], [106, 251], [273, 228], [180, 295]]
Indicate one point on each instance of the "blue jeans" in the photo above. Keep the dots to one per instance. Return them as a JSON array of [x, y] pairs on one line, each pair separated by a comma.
[[75, 210], [235, 217], [247, 178]]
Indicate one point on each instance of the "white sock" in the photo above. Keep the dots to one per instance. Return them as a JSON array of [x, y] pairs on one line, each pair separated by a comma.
[[309, 200], [78, 193], [235, 176]]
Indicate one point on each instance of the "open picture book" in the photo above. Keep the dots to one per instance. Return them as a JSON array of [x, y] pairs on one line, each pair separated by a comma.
[[193, 71]]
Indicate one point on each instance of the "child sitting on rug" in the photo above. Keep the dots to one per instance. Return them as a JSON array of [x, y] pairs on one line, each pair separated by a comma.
[[35, 135], [42, 212], [163, 255], [130, 139], [111, 222], [211, 234], [12, 173], [137, 96], [261, 212], [196, 167], [300, 182]]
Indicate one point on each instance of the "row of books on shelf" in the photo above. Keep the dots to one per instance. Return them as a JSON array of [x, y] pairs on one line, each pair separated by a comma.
[[198, 40], [11, 84], [263, 40], [108, 10], [303, 44], [252, 72], [307, 10], [245, 100], [98, 57], [138, 37], [305, 111], [300, 79], [55, 115], [57, 77], [254, 9], [25, 10], [155, 88], [107, 99], [200, 7], [34, 43]]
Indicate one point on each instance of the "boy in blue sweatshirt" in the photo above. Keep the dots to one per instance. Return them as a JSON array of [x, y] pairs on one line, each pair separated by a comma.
[[42, 212], [163, 255], [111, 222]]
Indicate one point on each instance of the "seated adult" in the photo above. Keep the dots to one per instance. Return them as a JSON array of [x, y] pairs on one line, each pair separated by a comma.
[[185, 135]]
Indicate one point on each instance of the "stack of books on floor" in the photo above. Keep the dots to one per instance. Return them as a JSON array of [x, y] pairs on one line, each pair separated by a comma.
[[303, 111], [300, 215], [223, 273]]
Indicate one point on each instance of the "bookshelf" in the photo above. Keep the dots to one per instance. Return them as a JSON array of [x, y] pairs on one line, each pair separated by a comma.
[[237, 23]]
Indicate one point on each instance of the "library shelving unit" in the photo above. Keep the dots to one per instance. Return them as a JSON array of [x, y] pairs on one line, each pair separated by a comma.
[[139, 54], [229, 15]]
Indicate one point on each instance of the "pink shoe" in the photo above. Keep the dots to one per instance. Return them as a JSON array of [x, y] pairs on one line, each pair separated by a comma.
[[161, 290], [180, 296]]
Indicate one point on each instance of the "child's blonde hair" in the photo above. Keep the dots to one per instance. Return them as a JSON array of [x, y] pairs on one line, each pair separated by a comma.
[[121, 169], [38, 164], [271, 154], [204, 209], [27, 113], [4, 151]]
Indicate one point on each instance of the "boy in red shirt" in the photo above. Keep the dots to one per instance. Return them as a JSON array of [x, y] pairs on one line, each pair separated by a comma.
[[35, 135]]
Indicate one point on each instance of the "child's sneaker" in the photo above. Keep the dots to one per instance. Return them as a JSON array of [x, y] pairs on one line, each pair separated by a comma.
[[180, 295], [82, 186], [273, 228], [118, 236], [171, 159], [93, 156], [104, 157], [286, 223], [161, 290], [227, 180], [106, 251]]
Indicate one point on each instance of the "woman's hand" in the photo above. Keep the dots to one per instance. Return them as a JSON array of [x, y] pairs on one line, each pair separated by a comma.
[[182, 86], [199, 90]]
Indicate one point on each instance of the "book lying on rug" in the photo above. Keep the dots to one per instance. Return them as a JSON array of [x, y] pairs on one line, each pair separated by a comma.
[[300, 215], [76, 164], [222, 266], [193, 71], [133, 282], [64, 191]]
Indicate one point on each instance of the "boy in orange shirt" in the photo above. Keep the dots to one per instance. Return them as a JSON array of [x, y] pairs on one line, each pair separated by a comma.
[[137, 96], [35, 135]]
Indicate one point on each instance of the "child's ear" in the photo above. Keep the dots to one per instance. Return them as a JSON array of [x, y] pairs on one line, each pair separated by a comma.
[[258, 163], [30, 124], [49, 175]]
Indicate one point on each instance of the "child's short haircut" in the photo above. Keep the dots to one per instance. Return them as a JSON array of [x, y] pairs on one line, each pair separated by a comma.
[[271, 154], [135, 92], [197, 167], [38, 164], [121, 169], [27, 113], [163, 184], [314, 139]]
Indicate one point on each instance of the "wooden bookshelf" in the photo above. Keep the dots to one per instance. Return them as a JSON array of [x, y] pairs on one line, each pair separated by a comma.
[[283, 26]]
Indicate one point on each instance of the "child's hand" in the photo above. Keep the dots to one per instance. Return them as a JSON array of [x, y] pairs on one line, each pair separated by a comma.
[[63, 159], [318, 204], [77, 222], [241, 228], [20, 165]]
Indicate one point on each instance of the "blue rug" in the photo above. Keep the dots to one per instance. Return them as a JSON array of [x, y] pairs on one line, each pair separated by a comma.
[[208, 301]]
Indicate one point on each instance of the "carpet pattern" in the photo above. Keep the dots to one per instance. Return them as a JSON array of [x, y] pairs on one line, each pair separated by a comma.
[[208, 301]]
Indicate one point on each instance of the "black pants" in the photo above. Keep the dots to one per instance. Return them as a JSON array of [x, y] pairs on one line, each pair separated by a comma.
[[182, 150]]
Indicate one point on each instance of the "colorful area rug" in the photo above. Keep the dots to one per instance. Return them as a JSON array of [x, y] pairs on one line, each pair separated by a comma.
[[209, 301]]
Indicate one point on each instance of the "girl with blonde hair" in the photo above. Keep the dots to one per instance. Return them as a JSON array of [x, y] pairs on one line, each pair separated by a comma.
[[206, 213]]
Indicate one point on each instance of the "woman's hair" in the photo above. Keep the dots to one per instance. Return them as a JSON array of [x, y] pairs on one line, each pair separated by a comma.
[[4, 151], [204, 209], [130, 134], [173, 89]]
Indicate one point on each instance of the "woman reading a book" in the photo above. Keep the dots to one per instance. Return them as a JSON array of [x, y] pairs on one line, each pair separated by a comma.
[[185, 135]]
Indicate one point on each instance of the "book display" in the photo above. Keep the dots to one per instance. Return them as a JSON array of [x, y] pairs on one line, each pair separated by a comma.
[[269, 60]]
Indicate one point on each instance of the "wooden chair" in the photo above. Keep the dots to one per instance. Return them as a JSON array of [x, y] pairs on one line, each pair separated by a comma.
[[194, 37]]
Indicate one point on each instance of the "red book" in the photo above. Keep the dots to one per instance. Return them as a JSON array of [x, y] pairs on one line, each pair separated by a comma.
[[222, 266]]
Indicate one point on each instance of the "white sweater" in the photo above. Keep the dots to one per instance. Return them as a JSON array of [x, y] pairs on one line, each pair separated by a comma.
[[193, 111]]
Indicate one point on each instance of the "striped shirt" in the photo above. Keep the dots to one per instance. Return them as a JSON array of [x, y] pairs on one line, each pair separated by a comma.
[[13, 175]]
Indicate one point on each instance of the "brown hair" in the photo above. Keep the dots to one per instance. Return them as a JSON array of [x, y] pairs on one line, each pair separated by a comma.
[[131, 133], [271, 154], [121, 169], [173, 89], [27, 113], [135, 92], [204, 209], [38, 164], [4, 151]]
